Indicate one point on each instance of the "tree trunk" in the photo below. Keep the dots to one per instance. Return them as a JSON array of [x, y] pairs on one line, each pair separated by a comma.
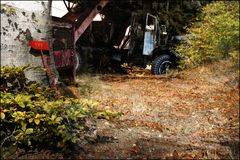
[[22, 22]]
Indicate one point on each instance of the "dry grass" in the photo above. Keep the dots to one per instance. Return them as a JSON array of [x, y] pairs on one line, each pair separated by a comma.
[[185, 114], [199, 107]]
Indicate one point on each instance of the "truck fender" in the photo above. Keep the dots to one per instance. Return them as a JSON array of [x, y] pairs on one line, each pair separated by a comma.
[[158, 51]]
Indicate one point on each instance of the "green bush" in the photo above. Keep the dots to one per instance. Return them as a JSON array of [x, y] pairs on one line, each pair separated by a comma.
[[214, 35], [32, 115]]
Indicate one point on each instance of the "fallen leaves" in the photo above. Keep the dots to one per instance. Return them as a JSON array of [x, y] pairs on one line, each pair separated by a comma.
[[194, 108]]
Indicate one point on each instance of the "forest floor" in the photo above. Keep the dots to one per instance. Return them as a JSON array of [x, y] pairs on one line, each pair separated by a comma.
[[191, 114]]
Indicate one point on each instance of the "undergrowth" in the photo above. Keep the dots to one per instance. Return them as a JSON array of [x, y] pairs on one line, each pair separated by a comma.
[[33, 116]]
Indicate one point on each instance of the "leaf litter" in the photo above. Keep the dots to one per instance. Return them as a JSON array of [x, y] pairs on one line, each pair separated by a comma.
[[190, 114]]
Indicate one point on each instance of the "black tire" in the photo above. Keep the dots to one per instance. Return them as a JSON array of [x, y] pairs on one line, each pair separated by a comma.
[[78, 62], [162, 64]]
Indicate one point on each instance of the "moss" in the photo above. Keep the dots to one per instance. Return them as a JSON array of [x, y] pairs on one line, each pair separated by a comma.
[[43, 4], [4, 29], [24, 13], [9, 21], [28, 35], [39, 31], [16, 25], [8, 10], [33, 16]]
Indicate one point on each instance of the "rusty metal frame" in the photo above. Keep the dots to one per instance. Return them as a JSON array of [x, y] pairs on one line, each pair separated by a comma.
[[68, 5], [97, 9]]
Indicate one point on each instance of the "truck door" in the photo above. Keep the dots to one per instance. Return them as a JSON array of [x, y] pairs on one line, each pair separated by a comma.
[[150, 34]]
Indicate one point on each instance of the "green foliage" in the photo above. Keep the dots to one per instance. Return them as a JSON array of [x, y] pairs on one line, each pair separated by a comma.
[[32, 115], [214, 35], [176, 14]]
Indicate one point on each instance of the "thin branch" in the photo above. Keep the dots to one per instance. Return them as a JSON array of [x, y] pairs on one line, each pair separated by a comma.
[[3, 141]]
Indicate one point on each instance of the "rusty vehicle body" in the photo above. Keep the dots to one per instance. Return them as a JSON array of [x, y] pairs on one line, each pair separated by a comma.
[[140, 41], [128, 37], [63, 44], [66, 32]]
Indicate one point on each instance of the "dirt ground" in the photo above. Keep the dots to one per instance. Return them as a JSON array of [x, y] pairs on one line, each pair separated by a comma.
[[192, 114]]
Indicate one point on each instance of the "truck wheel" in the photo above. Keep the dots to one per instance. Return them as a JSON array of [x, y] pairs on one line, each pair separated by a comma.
[[162, 64], [78, 62]]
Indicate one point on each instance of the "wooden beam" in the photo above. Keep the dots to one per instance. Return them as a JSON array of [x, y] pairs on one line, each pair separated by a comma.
[[97, 9]]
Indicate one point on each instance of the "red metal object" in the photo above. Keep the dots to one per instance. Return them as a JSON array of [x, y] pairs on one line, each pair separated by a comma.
[[63, 58], [64, 49], [97, 9], [43, 45], [39, 45], [65, 53]]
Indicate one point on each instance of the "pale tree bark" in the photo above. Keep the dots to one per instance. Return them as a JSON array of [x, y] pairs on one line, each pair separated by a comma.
[[22, 22]]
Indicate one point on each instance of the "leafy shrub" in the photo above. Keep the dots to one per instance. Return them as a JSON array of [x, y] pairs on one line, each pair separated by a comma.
[[32, 115], [214, 36]]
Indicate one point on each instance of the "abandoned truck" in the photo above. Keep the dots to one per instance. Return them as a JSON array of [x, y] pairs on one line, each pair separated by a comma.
[[133, 38], [140, 43]]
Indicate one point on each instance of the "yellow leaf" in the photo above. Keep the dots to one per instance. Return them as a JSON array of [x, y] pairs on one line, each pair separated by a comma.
[[30, 120], [2, 115], [29, 131], [37, 121], [95, 104], [19, 136], [5, 110], [37, 116], [40, 116], [38, 95], [24, 126], [21, 104], [58, 119], [108, 111], [29, 143], [53, 117]]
